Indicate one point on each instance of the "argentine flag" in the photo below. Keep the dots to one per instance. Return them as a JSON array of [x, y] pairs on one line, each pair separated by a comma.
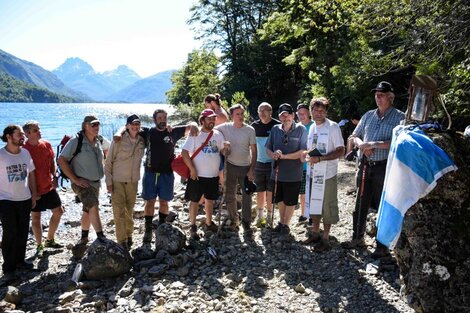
[[414, 165]]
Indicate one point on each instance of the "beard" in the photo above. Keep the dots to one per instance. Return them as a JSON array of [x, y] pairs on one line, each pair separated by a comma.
[[161, 125]]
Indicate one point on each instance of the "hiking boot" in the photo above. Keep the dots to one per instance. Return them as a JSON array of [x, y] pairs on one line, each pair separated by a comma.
[[278, 228], [39, 250], [83, 241], [172, 216], [324, 245], [261, 222], [380, 252], [212, 227], [52, 244], [313, 237], [247, 231], [25, 266], [310, 221], [193, 233], [147, 234], [353, 244], [285, 230], [234, 227], [302, 219], [129, 242]]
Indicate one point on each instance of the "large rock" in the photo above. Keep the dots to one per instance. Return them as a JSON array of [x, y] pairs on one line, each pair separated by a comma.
[[169, 238], [434, 248], [106, 259]]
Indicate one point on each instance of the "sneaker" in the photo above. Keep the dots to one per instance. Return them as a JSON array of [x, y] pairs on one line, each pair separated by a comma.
[[261, 222], [285, 230], [147, 235], [193, 233], [52, 244], [212, 227], [39, 250], [313, 237], [278, 228], [353, 244], [83, 241], [302, 219], [25, 266], [324, 245]]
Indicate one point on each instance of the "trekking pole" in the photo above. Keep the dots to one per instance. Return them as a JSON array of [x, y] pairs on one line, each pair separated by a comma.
[[273, 200], [361, 189], [224, 191]]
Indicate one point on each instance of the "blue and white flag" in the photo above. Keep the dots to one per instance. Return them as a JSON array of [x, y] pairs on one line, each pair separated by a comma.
[[414, 165]]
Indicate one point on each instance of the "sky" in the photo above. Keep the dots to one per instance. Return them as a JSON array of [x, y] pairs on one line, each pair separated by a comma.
[[149, 36]]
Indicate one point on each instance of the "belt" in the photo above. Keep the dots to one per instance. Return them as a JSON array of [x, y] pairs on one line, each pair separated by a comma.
[[375, 163]]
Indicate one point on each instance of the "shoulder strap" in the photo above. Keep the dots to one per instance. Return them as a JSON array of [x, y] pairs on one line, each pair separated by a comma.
[[202, 146], [79, 145]]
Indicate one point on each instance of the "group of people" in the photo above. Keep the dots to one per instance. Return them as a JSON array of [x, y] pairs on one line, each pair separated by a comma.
[[283, 160]]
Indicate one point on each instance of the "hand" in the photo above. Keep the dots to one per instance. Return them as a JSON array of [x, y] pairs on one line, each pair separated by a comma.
[[314, 160], [110, 188], [277, 155], [193, 174], [169, 128], [82, 182], [251, 174], [193, 130], [33, 202], [117, 138], [226, 148]]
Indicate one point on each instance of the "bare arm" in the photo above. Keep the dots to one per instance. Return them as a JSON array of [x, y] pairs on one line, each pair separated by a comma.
[[189, 163], [33, 187]]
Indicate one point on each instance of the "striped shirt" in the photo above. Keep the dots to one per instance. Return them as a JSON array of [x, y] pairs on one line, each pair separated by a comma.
[[371, 127]]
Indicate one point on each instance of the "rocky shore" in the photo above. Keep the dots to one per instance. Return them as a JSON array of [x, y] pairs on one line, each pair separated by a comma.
[[269, 273]]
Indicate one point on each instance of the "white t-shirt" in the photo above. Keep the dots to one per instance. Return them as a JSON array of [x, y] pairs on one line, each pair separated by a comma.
[[335, 140], [241, 140], [207, 161], [14, 175]]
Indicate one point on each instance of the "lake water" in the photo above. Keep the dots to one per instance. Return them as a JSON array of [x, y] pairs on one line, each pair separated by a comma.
[[58, 119]]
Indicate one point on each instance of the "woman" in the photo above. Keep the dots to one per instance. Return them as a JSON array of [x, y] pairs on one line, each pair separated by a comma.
[[122, 170], [212, 102]]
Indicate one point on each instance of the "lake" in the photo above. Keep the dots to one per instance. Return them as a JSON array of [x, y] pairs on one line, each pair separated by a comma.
[[58, 119]]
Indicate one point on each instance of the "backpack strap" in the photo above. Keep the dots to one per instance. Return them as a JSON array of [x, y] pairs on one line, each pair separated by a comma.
[[79, 145]]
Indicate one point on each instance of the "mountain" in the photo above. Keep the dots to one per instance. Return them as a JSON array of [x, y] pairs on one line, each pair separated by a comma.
[[79, 75], [33, 74], [150, 89], [15, 90]]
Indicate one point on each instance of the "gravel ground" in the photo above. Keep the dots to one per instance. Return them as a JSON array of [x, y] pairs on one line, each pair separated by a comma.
[[270, 273]]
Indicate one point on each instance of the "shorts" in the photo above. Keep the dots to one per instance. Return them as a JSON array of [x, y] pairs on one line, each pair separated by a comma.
[[330, 210], [287, 192], [158, 185], [207, 186], [303, 182], [49, 200], [263, 177], [89, 196]]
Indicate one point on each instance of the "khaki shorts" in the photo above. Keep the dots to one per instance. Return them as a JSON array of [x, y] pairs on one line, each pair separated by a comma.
[[89, 196], [330, 211]]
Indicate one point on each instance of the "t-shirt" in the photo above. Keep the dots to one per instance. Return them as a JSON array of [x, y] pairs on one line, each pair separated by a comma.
[[14, 175], [43, 158], [161, 148], [207, 161], [241, 140], [292, 141], [88, 163], [335, 140], [262, 132]]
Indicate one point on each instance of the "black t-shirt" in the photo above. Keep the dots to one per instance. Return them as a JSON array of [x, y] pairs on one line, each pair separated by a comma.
[[263, 130], [347, 130], [161, 148]]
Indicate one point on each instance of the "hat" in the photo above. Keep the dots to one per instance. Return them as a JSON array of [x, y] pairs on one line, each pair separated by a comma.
[[133, 119], [250, 186], [207, 113], [91, 119], [285, 107], [302, 106], [383, 87]]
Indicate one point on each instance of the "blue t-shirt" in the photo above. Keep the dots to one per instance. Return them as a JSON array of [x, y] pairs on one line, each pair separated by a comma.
[[262, 133]]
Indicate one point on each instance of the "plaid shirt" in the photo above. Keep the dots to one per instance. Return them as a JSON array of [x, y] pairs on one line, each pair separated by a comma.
[[373, 128]]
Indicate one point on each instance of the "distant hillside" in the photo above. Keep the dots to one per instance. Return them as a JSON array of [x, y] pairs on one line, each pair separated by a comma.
[[33, 74], [79, 75], [150, 89], [14, 90]]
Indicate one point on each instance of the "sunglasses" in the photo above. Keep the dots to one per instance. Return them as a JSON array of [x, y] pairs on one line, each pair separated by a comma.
[[95, 124], [286, 139]]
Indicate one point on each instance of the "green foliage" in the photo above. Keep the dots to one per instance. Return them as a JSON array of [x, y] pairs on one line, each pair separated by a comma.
[[13, 90]]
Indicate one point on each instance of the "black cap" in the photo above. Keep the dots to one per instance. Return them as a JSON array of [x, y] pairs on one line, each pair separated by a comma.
[[285, 107], [383, 87], [250, 186], [302, 106], [133, 119]]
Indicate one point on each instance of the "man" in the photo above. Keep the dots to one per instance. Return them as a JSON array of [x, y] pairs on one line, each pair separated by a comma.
[[372, 136], [322, 188], [85, 171], [285, 145], [241, 162], [43, 157], [122, 170], [158, 180], [263, 167], [204, 169], [303, 113], [17, 197]]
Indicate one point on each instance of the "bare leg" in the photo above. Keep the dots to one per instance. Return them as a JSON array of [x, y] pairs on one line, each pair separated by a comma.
[[302, 204], [94, 219], [193, 208], [269, 202], [326, 230], [37, 227], [54, 222], [149, 209], [282, 212], [209, 205], [316, 223], [289, 211], [85, 221], [163, 206]]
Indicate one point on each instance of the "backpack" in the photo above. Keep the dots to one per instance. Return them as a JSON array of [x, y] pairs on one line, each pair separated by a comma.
[[60, 174]]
